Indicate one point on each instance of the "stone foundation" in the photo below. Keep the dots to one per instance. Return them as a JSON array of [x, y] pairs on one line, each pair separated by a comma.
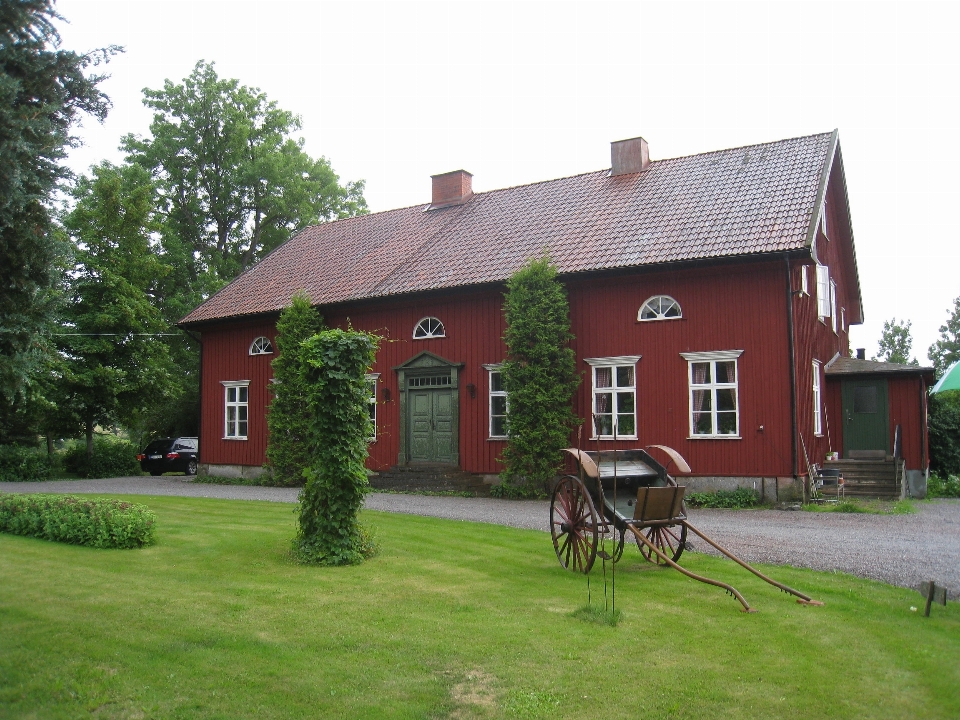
[[771, 489], [231, 471]]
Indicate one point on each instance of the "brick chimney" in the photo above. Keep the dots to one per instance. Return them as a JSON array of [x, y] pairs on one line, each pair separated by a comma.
[[629, 156], [452, 188]]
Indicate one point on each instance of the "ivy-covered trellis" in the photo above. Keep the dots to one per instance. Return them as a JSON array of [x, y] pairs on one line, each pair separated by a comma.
[[540, 378], [334, 366]]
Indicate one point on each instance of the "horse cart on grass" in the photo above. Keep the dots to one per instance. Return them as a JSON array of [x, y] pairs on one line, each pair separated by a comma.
[[626, 494]]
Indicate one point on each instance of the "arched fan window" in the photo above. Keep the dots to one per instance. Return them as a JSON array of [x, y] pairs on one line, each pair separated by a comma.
[[261, 346], [659, 307], [429, 327]]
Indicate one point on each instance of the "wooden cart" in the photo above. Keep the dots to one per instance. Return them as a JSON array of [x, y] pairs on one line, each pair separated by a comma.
[[621, 494]]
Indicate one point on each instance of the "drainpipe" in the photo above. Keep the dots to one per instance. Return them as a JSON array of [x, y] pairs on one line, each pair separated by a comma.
[[199, 340], [793, 370]]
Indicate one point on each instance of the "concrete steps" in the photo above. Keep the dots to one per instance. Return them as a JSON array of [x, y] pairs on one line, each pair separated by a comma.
[[869, 478]]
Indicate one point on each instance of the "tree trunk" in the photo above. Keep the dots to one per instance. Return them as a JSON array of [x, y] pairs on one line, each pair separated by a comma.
[[89, 428], [49, 445]]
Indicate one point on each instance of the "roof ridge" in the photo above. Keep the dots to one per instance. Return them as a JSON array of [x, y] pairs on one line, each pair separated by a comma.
[[590, 222], [744, 147]]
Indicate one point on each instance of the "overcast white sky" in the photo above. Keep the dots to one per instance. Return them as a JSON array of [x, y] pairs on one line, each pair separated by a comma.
[[393, 92]]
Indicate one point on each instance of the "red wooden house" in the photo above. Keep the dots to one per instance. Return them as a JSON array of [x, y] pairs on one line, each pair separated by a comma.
[[710, 297]]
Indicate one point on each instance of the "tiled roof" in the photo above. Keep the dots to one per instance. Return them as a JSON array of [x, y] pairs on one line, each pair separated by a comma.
[[853, 366], [745, 201]]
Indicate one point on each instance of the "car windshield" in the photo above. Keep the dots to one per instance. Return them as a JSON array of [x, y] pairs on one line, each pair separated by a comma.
[[158, 446]]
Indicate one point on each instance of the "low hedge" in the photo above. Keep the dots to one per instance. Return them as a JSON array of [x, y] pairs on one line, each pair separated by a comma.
[[95, 522], [111, 458], [23, 464], [948, 487], [732, 499]]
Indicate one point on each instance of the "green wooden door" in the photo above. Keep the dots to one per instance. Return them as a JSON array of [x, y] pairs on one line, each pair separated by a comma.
[[865, 416], [431, 426]]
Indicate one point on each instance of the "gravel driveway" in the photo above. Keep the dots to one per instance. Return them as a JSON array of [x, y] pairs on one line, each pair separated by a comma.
[[897, 549]]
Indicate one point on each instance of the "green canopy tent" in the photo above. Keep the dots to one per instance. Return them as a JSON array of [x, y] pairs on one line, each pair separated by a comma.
[[949, 381]]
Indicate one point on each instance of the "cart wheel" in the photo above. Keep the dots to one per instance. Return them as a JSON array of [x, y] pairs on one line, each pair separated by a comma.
[[573, 524], [668, 539]]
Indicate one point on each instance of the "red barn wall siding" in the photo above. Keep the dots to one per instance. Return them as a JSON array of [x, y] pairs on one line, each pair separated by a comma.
[[226, 356], [815, 338], [907, 403], [736, 306], [474, 327], [725, 307]]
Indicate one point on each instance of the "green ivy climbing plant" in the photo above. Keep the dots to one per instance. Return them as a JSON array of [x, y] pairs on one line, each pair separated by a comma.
[[289, 418], [540, 377], [334, 366]]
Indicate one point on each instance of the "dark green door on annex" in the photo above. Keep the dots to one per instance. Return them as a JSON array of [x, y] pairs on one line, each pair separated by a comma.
[[865, 417], [431, 425]]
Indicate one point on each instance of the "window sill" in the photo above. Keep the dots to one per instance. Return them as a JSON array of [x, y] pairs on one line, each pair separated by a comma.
[[611, 438], [234, 438], [714, 437], [638, 321], [498, 438]]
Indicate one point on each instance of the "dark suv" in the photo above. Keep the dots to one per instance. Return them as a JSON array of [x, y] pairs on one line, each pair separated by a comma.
[[170, 455]]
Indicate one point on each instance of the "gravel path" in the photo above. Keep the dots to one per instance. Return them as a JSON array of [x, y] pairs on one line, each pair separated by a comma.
[[897, 549]]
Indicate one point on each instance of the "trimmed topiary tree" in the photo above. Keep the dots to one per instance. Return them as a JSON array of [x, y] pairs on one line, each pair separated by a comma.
[[335, 364], [540, 378], [289, 417]]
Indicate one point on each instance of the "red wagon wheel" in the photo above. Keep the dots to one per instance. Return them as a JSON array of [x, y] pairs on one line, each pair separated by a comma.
[[573, 524], [668, 539]]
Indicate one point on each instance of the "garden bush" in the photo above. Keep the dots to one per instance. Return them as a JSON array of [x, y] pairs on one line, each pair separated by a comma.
[[733, 499], [111, 458], [334, 367], [23, 464], [943, 487], [540, 376], [944, 423], [94, 522]]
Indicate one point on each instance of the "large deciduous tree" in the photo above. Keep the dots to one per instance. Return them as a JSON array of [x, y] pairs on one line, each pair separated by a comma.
[[540, 377], [115, 363], [896, 342], [946, 351], [235, 184], [43, 90]]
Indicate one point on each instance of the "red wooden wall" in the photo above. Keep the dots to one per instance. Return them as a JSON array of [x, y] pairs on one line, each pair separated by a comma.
[[226, 356], [729, 307], [815, 338], [733, 305], [907, 402]]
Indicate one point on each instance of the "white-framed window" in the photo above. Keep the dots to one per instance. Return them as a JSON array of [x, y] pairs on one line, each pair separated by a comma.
[[614, 397], [817, 406], [236, 399], [804, 280], [499, 403], [823, 220], [843, 319], [261, 346], [833, 306], [659, 307], [823, 291], [429, 327], [372, 379], [714, 394]]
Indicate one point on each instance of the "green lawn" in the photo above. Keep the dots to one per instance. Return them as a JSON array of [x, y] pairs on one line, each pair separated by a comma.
[[453, 620]]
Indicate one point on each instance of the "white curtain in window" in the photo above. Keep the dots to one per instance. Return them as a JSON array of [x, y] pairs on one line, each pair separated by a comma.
[[823, 291]]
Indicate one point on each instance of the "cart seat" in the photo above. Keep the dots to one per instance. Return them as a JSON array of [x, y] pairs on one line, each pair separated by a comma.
[[659, 503]]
